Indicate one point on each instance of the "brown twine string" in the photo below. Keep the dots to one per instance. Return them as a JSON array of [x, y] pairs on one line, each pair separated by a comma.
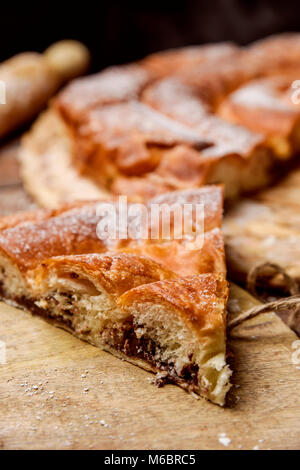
[[269, 270], [292, 304]]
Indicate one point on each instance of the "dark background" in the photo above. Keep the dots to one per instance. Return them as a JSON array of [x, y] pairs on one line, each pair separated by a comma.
[[123, 31]]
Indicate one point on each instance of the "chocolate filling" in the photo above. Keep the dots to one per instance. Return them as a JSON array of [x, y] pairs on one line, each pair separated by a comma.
[[35, 310], [29, 304], [125, 340]]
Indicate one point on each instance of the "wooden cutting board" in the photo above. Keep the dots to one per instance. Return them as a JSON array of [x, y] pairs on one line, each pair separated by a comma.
[[57, 392]]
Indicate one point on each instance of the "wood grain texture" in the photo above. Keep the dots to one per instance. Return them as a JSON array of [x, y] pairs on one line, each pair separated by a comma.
[[13, 198], [57, 392], [9, 169]]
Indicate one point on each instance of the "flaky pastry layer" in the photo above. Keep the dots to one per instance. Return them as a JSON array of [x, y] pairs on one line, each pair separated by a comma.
[[153, 302]]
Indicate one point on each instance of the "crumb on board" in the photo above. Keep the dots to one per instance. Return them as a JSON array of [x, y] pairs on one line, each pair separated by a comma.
[[224, 440]]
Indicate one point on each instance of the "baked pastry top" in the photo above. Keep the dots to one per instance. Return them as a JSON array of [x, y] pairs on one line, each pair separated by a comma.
[[175, 120], [159, 303], [176, 61], [113, 85]]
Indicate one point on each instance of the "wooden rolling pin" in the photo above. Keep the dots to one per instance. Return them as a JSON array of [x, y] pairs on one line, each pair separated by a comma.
[[28, 80]]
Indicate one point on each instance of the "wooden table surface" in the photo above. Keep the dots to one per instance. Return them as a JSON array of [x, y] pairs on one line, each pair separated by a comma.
[[12, 195], [57, 392]]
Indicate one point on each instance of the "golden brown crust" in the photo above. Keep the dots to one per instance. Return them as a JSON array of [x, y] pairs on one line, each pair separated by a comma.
[[120, 148], [128, 139], [196, 299], [176, 61], [53, 264], [264, 106], [111, 144], [117, 273], [207, 255], [47, 164], [133, 308], [191, 99], [113, 85], [71, 230], [124, 83], [40, 215], [22, 218], [276, 54], [211, 197], [192, 104], [203, 254]]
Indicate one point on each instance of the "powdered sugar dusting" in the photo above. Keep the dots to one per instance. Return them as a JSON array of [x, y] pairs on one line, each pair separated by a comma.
[[185, 104], [119, 121], [224, 440], [262, 94], [114, 84]]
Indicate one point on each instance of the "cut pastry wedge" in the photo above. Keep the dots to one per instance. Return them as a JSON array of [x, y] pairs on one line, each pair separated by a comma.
[[138, 311], [155, 303]]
